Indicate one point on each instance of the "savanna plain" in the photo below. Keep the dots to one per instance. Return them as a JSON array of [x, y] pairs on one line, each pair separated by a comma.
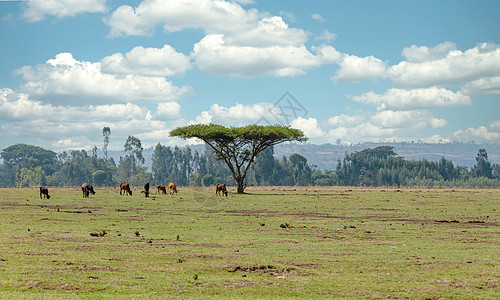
[[270, 243]]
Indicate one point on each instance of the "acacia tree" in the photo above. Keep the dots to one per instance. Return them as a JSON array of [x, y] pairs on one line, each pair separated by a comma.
[[238, 146]]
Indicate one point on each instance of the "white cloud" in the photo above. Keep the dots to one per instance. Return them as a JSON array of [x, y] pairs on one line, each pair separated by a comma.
[[17, 107], [211, 16], [238, 114], [417, 119], [309, 126], [36, 10], [317, 17], [326, 36], [62, 127], [66, 80], [72, 143], [400, 99], [168, 111], [456, 68], [481, 134], [355, 69], [360, 133], [271, 31], [238, 42], [244, 2], [384, 125], [204, 118], [148, 62], [290, 17], [483, 86], [416, 54], [212, 55], [345, 120]]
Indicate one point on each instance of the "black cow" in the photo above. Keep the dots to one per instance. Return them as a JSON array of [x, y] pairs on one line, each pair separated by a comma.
[[146, 190], [45, 192]]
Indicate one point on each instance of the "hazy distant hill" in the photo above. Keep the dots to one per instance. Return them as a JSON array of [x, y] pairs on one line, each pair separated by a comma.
[[325, 156]]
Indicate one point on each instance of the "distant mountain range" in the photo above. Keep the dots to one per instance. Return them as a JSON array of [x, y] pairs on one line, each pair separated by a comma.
[[324, 157]]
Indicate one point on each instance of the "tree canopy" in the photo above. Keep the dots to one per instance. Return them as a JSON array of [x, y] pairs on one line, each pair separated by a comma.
[[239, 146]]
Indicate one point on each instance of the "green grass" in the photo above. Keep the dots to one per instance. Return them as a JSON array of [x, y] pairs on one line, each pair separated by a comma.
[[269, 243]]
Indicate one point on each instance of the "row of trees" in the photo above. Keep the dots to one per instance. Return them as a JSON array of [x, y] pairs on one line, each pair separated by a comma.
[[28, 165], [381, 166]]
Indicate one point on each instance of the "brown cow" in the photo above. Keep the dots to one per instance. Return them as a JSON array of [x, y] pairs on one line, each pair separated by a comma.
[[45, 192], [125, 187], [172, 188], [220, 188], [162, 189], [87, 189]]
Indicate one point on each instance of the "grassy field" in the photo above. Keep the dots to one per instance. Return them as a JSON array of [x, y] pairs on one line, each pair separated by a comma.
[[280, 242]]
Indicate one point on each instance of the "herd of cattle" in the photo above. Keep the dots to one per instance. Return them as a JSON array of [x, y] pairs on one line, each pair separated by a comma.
[[87, 189]]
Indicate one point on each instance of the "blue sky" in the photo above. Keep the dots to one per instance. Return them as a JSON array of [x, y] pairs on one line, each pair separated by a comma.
[[354, 71]]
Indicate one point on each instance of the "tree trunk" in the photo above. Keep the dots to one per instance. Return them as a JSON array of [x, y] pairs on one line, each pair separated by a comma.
[[241, 185]]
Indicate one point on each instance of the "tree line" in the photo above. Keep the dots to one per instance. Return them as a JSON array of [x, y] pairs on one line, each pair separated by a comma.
[[28, 166]]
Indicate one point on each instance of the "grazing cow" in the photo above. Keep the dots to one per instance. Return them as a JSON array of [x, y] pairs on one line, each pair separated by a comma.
[[87, 189], [126, 188], [162, 189], [146, 190], [172, 188], [45, 192], [220, 188]]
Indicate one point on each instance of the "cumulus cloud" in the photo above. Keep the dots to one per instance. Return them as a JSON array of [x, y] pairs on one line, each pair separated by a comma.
[[66, 80], [238, 114], [326, 36], [309, 126], [37, 10], [168, 111], [475, 70], [163, 62], [62, 127], [481, 134], [386, 125], [407, 119], [212, 55], [433, 68], [360, 133], [209, 15], [13, 107], [318, 17], [238, 42], [344, 120], [483, 86], [416, 54], [270, 31], [401, 99], [355, 69], [431, 77]]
